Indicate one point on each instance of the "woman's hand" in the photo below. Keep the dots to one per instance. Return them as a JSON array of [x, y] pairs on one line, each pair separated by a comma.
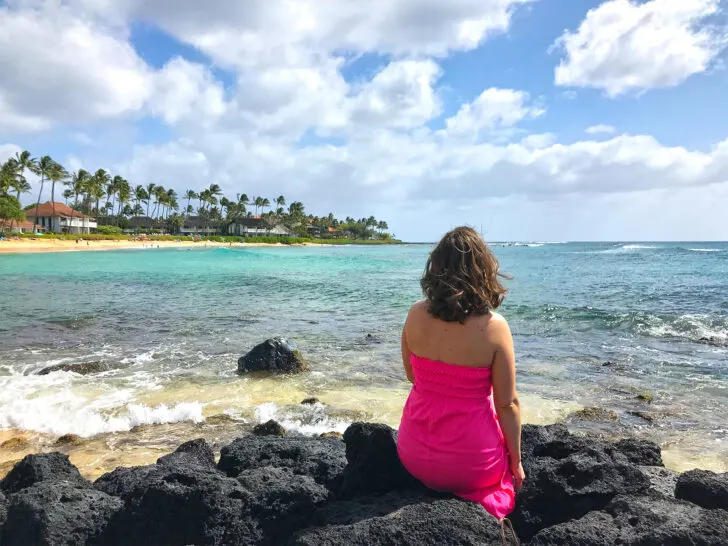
[[519, 475]]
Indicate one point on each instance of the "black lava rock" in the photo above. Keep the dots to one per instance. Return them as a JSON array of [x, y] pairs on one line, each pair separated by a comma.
[[53, 513], [196, 452], [276, 355], [569, 477], [704, 488], [402, 521], [44, 467], [373, 463], [641, 452], [321, 458], [652, 520]]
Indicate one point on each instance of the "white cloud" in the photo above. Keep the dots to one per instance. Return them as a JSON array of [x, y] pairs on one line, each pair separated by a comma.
[[59, 67], [494, 108], [600, 129], [624, 45]]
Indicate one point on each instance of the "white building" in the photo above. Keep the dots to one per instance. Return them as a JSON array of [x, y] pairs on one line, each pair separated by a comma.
[[199, 225], [60, 218], [257, 227]]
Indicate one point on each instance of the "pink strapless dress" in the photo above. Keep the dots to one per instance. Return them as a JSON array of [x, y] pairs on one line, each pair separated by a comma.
[[450, 438]]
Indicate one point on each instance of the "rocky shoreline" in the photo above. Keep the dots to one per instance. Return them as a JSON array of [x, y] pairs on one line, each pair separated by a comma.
[[305, 491]]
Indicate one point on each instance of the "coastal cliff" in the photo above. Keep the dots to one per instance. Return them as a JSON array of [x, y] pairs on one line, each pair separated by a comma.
[[324, 491]]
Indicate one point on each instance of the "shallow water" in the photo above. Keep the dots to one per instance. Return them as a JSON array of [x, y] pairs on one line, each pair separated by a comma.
[[171, 324]]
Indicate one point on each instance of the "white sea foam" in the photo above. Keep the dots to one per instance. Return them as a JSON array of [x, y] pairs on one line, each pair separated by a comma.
[[688, 327], [141, 358], [55, 404], [705, 249], [638, 247], [309, 420]]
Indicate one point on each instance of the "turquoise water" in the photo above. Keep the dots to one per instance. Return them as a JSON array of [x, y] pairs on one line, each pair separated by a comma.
[[171, 324]]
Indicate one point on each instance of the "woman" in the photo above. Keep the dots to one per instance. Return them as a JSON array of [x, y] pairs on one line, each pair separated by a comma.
[[461, 426]]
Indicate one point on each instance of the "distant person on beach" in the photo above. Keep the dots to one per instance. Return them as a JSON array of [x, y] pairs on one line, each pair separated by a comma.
[[461, 426]]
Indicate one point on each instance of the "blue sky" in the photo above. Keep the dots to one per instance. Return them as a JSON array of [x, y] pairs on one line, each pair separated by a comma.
[[424, 114]]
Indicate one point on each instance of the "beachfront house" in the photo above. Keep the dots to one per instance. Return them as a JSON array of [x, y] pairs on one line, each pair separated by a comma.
[[60, 218], [18, 227], [257, 227], [136, 224], [199, 225]]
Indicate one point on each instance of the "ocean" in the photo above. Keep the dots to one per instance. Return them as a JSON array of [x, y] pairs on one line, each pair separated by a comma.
[[637, 330]]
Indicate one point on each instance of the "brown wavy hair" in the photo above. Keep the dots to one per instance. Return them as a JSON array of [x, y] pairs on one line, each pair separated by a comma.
[[462, 277]]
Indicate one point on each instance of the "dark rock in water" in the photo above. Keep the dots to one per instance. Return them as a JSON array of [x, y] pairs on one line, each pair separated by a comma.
[[416, 522], [662, 480], [645, 520], [322, 459], [274, 355], [608, 363], [14, 443], [593, 414], [372, 339], [332, 434], [568, 477], [84, 368], [197, 452], [373, 463], [640, 452], [642, 415], [310, 401], [44, 467], [704, 488], [270, 428], [50, 514], [645, 397], [219, 419], [69, 440], [281, 502]]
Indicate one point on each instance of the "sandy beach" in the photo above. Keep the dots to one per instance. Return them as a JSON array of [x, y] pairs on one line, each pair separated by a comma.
[[21, 246]]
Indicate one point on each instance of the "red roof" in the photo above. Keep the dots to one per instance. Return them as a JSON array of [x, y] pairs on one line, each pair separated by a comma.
[[46, 209], [23, 225]]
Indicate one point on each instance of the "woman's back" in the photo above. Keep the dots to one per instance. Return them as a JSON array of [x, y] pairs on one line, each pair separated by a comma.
[[472, 343], [460, 429]]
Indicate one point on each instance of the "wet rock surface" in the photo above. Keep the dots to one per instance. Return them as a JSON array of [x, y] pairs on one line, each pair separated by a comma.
[[275, 355], [83, 368], [323, 491], [269, 428]]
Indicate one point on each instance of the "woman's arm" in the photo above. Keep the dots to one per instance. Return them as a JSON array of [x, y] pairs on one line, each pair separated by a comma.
[[406, 355], [505, 396]]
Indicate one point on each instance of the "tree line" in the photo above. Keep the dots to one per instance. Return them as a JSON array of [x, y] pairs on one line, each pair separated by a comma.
[[114, 201]]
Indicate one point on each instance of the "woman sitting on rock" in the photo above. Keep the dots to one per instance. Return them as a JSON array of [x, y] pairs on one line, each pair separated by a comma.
[[461, 426]]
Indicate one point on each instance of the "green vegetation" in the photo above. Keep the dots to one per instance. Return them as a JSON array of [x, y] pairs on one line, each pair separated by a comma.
[[120, 207]]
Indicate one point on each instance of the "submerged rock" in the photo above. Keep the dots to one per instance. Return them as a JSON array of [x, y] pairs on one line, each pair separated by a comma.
[[332, 434], [269, 428], [644, 520], [593, 414], [84, 368], [69, 440], [274, 355], [704, 488], [321, 458], [14, 443], [50, 514], [44, 467], [310, 401]]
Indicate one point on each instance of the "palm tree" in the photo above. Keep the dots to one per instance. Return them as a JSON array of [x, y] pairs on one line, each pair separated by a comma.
[[41, 168], [190, 195], [77, 184], [56, 174], [21, 186], [101, 180], [280, 201], [264, 203], [258, 202], [24, 162], [171, 200], [123, 192], [215, 190], [138, 210], [160, 194], [151, 188], [225, 204], [140, 196]]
